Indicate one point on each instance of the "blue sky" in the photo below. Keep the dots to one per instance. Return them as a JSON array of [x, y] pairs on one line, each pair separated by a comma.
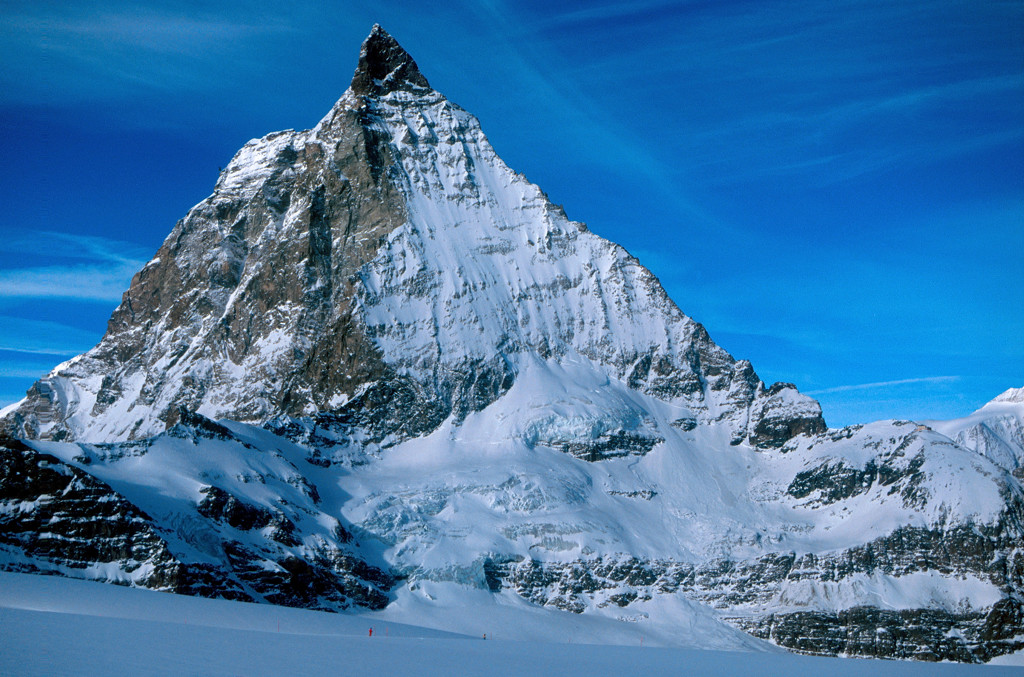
[[836, 190]]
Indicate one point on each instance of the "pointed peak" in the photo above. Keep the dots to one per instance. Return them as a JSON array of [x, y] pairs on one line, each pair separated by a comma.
[[384, 66], [1013, 395]]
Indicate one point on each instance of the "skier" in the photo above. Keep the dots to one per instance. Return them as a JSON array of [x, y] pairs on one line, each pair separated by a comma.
[[371, 632]]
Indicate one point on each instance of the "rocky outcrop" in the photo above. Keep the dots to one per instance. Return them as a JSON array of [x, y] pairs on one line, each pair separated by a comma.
[[329, 581], [834, 481], [932, 635], [764, 596], [221, 506], [57, 518], [781, 415], [385, 67], [610, 445]]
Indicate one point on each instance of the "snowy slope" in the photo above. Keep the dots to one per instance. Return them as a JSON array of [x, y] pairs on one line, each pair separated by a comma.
[[180, 635], [995, 431], [169, 478], [474, 520]]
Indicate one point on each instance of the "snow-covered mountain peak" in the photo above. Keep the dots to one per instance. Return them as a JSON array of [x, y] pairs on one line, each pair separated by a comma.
[[1012, 396], [378, 356], [388, 253], [384, 66], [996, 430]]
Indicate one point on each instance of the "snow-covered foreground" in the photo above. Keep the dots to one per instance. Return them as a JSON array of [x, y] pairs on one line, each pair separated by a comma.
[[51, 625]]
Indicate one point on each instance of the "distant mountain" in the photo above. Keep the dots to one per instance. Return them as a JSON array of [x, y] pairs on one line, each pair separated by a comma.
[[996, 431], [377, 363]]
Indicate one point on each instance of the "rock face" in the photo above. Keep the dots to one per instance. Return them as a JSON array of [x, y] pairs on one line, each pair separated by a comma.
[[375, 355], [57, 513], [57, 517]]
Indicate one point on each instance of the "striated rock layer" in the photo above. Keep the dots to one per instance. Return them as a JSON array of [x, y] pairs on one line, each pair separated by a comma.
[[378, 362], [57, 517]]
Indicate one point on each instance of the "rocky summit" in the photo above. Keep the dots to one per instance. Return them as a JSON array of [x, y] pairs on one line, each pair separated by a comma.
[[377, 365]]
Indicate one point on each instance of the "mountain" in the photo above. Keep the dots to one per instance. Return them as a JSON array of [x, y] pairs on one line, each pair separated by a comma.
[[387, 253], [995, 431], [377, 363]]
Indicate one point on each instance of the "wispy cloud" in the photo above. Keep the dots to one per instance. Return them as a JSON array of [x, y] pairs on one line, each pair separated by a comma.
[[97, 49], [807, 138], [144, 28], [26, 369], [98, 269], [602, 12], [888, 85], [70, 245], [41, 337], [84, 283], [884, 384]]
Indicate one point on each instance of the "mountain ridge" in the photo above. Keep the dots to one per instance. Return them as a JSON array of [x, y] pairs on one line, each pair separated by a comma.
[[995, 430], [289, 256]]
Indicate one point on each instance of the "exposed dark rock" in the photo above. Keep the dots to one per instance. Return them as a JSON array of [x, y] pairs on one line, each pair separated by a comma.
[[834, 481], [221, 506], [992, 554], [610, 445], [646, 494], [920, 634], [397, 408], [56, 518], [686, 424], [60, 513], [328, 582], [187, 424], [779, 421], [60, 519], [385, 67]]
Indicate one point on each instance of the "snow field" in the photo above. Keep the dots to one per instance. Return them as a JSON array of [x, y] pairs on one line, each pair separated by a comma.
[[52, 625]]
